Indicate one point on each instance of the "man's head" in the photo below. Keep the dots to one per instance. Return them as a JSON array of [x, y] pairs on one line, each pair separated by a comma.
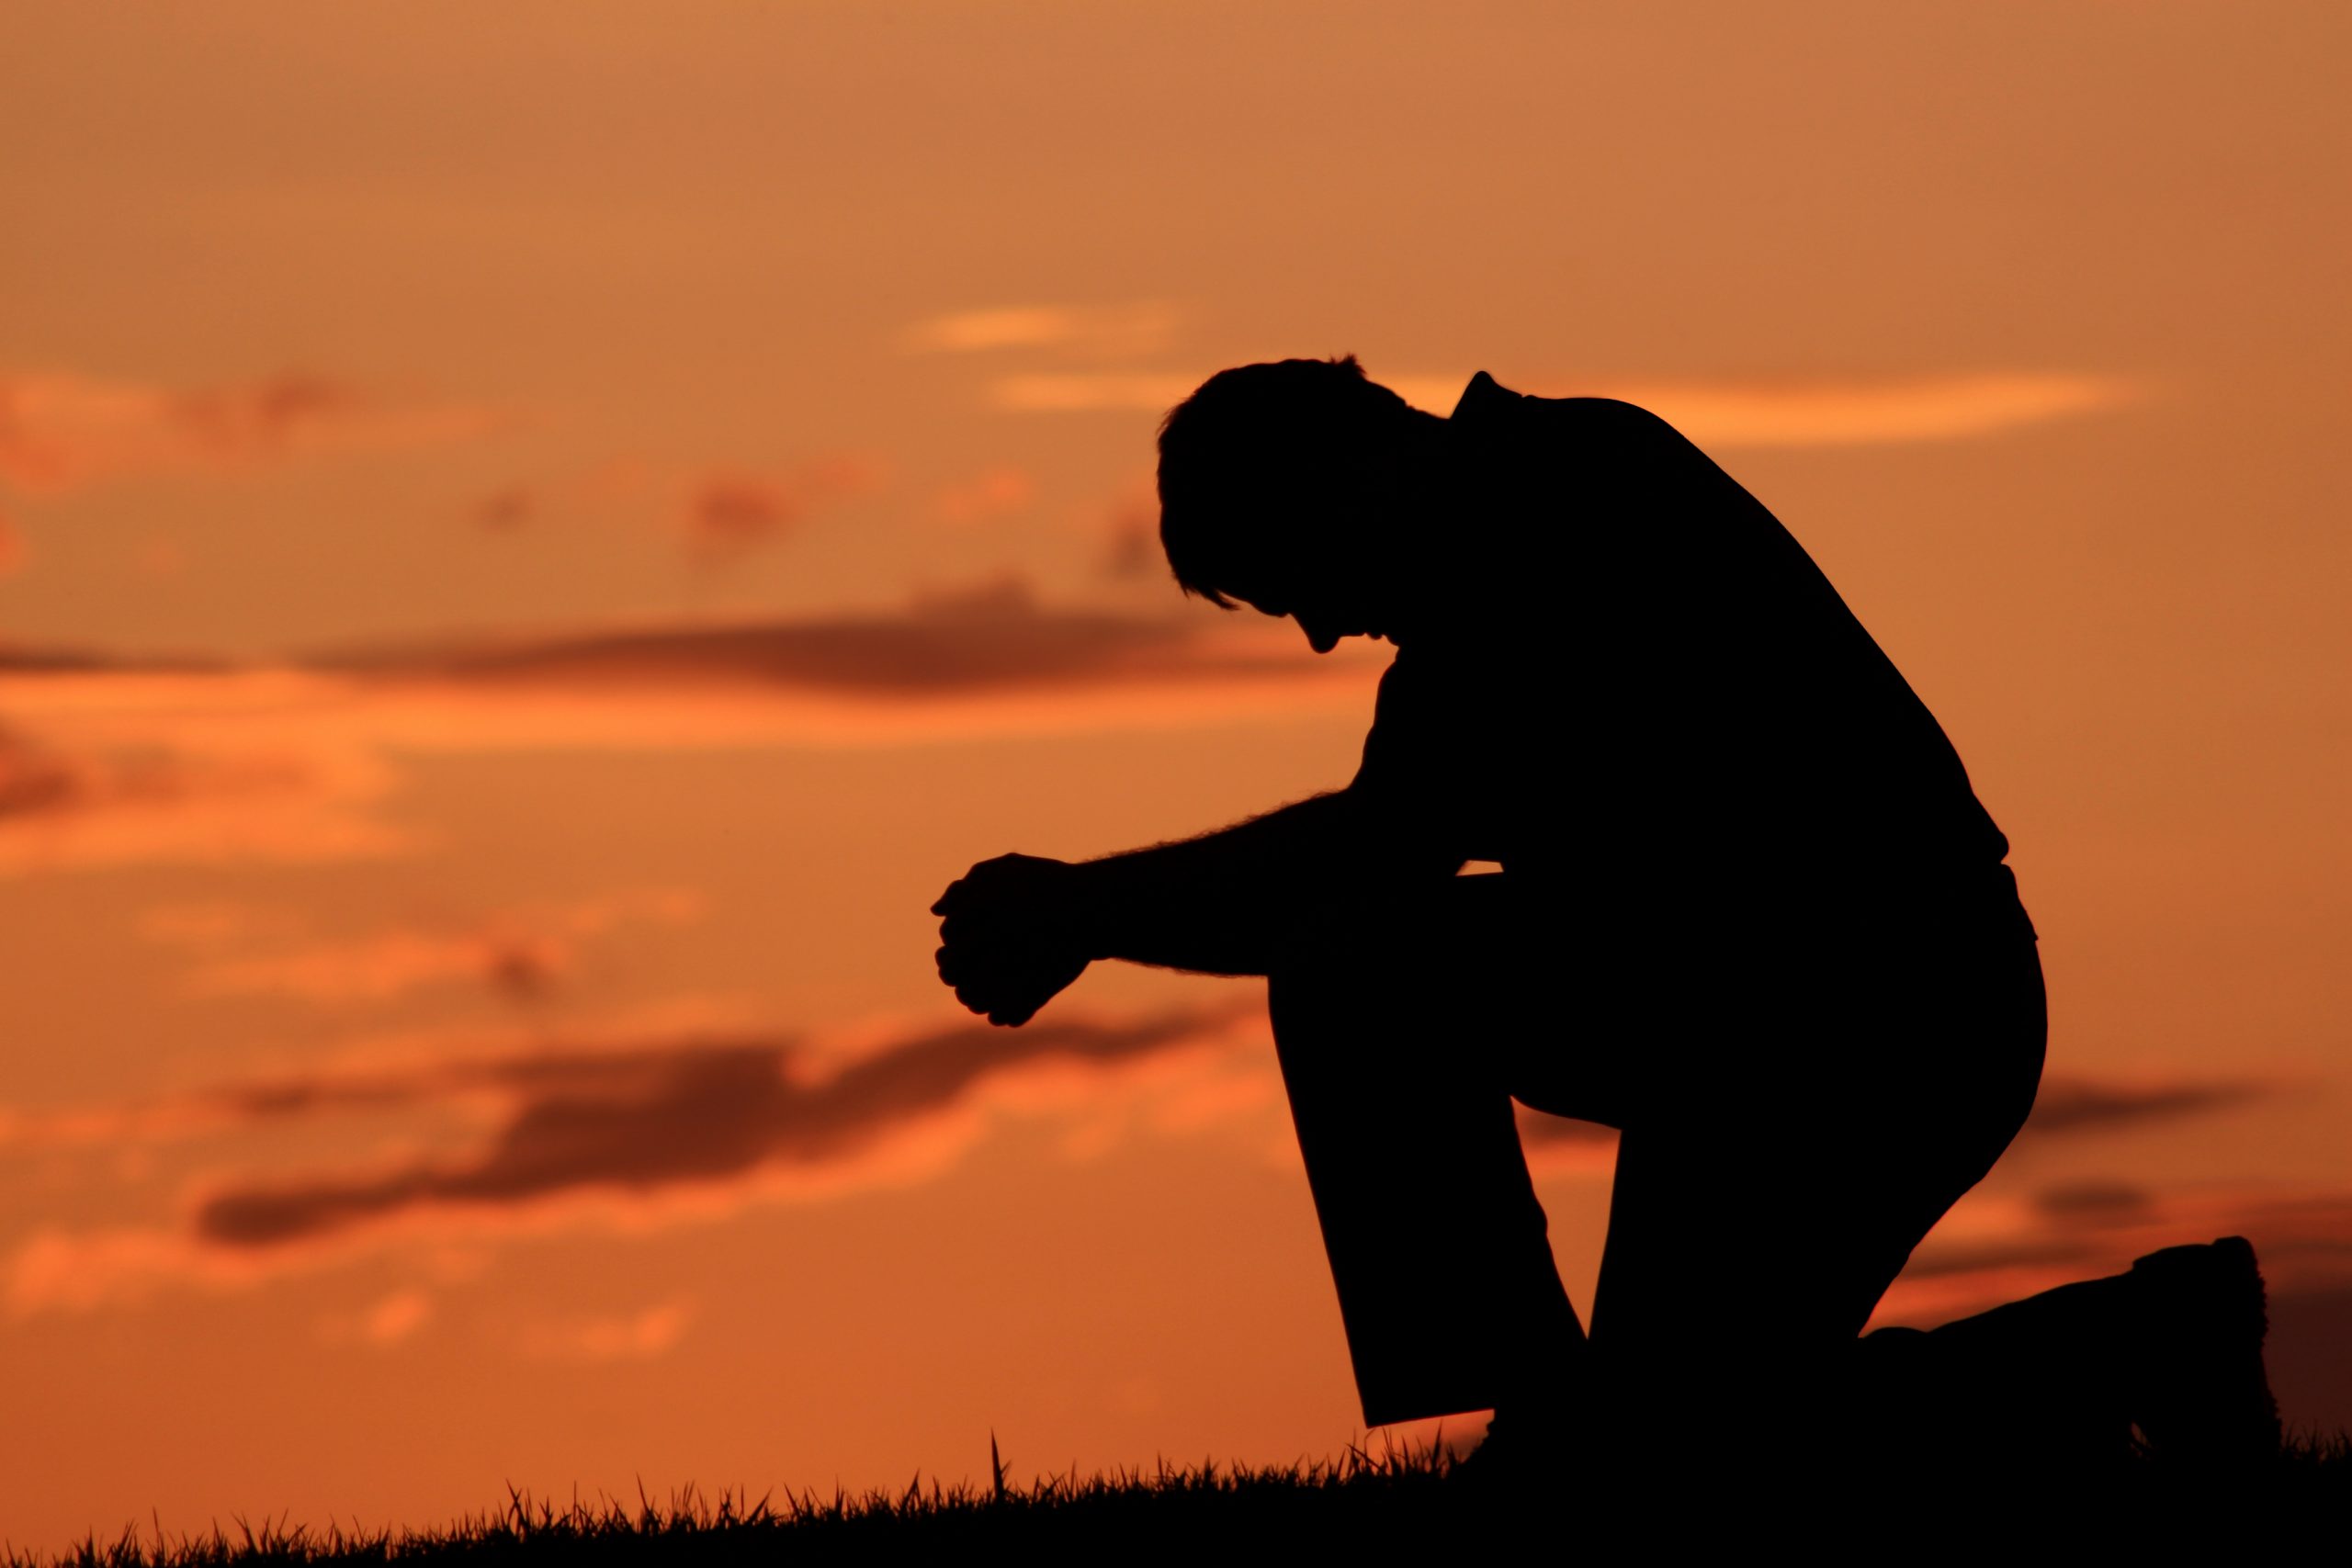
[[1282, 486]]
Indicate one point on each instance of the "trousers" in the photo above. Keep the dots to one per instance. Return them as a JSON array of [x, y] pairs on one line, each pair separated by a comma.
[[1799, 1098]]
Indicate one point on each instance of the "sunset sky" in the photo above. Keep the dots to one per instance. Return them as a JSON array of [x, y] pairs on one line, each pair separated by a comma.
[[536, 538]]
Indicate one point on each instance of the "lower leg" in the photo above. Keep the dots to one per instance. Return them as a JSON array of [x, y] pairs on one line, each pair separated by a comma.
[[1436, 1241], [2173, 1347]]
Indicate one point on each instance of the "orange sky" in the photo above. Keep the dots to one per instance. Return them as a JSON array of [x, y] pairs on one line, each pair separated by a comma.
[[533, 542]]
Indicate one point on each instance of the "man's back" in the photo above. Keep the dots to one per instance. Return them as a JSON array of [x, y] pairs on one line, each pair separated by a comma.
[[1653, 696]]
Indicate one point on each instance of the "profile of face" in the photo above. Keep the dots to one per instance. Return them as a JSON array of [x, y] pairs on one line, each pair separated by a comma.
[[1332, 594], [1331, 534]]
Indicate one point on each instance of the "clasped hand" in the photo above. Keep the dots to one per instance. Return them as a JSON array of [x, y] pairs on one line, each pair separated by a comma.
[[1007, 932]]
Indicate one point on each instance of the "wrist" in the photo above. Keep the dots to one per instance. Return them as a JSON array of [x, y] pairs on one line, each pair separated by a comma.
[[1090, 901]]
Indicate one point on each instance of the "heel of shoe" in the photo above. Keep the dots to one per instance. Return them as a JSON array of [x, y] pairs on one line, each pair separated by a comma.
[[2205, 1315]]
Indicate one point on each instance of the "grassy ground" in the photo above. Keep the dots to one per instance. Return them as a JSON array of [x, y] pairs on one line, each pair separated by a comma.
[[1385, 1504]]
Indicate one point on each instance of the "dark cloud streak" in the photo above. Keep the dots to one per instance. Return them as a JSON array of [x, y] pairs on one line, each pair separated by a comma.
[[996, 636], [2079, 1105], [647, 1120]]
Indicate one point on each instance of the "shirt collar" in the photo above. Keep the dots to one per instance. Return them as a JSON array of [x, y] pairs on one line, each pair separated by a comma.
[[1483, 395]]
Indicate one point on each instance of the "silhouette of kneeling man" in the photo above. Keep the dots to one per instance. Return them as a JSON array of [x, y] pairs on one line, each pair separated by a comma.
[[1750, 913]]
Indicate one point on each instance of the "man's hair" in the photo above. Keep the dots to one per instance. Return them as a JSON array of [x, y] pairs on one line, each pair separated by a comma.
[[1258, 452]]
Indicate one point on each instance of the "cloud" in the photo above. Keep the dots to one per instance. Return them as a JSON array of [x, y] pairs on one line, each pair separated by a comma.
[[519, 954], [110, 762], [1937, 1262], [507, 509], [1089, 392], [999, 491], [395, 1318], [633, 1336], [2072, 1105], [1130, 550], [729, 514], [1716, 414], [2067, 1107], [636, 1133], [60, 432], [128, 799], [2095, 1202], [1145, 327], [1860, 413], [991, 637], [696, 1114], [1991, 1248]]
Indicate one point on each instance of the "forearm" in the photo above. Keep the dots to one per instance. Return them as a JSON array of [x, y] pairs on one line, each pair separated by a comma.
[[1219, 904]]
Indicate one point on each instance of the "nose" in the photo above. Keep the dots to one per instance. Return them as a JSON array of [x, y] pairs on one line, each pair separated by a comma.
[[1320, 636]]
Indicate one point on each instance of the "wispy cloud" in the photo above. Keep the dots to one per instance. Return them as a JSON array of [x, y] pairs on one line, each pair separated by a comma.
[[395, 1318], [1991, 1248], [1727, 414], [508, 508], [1141, 328], [639, 1132], [992, 636], [2072, 1105], [697, 1114], [1002, 489], [1856, 413], [629, 1337], [59, 431], [2068, 1107], [121, 798], [1090, 392], [109, 762], [518, 953], [726, 514]]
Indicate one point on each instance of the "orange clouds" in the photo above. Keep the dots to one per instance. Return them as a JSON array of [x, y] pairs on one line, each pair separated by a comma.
[[1055, 391], [992, 639], [993, 493], [639, 1132], [519, 955], [106, 765], [992, 636], [730, 512], [1998, 1244], [59, 431], [1872, 412], [124, 796], [638, 1336], [1992, 1249], [1107, 330], [2074, 1104], [697, 1113]]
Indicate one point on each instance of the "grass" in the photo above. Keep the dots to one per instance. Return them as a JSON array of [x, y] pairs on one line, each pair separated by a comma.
[[1384, 1504]]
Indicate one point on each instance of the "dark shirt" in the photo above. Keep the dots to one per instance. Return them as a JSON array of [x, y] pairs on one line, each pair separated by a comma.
[[1649, 696]]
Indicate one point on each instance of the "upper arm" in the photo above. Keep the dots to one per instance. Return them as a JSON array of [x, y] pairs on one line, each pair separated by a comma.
[[1406, 791]]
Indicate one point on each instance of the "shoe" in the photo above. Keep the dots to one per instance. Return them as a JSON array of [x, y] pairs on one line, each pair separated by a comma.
[[2205, 1399]]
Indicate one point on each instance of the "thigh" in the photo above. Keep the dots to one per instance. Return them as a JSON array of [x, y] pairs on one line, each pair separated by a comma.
[[1556, 1025], [1765, 1203]]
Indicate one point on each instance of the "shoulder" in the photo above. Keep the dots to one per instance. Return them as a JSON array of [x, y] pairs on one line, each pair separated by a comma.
[[1603, 415], [1496, 414]]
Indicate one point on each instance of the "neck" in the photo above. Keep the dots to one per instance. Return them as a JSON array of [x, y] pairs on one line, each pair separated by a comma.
[[1434, 526]]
